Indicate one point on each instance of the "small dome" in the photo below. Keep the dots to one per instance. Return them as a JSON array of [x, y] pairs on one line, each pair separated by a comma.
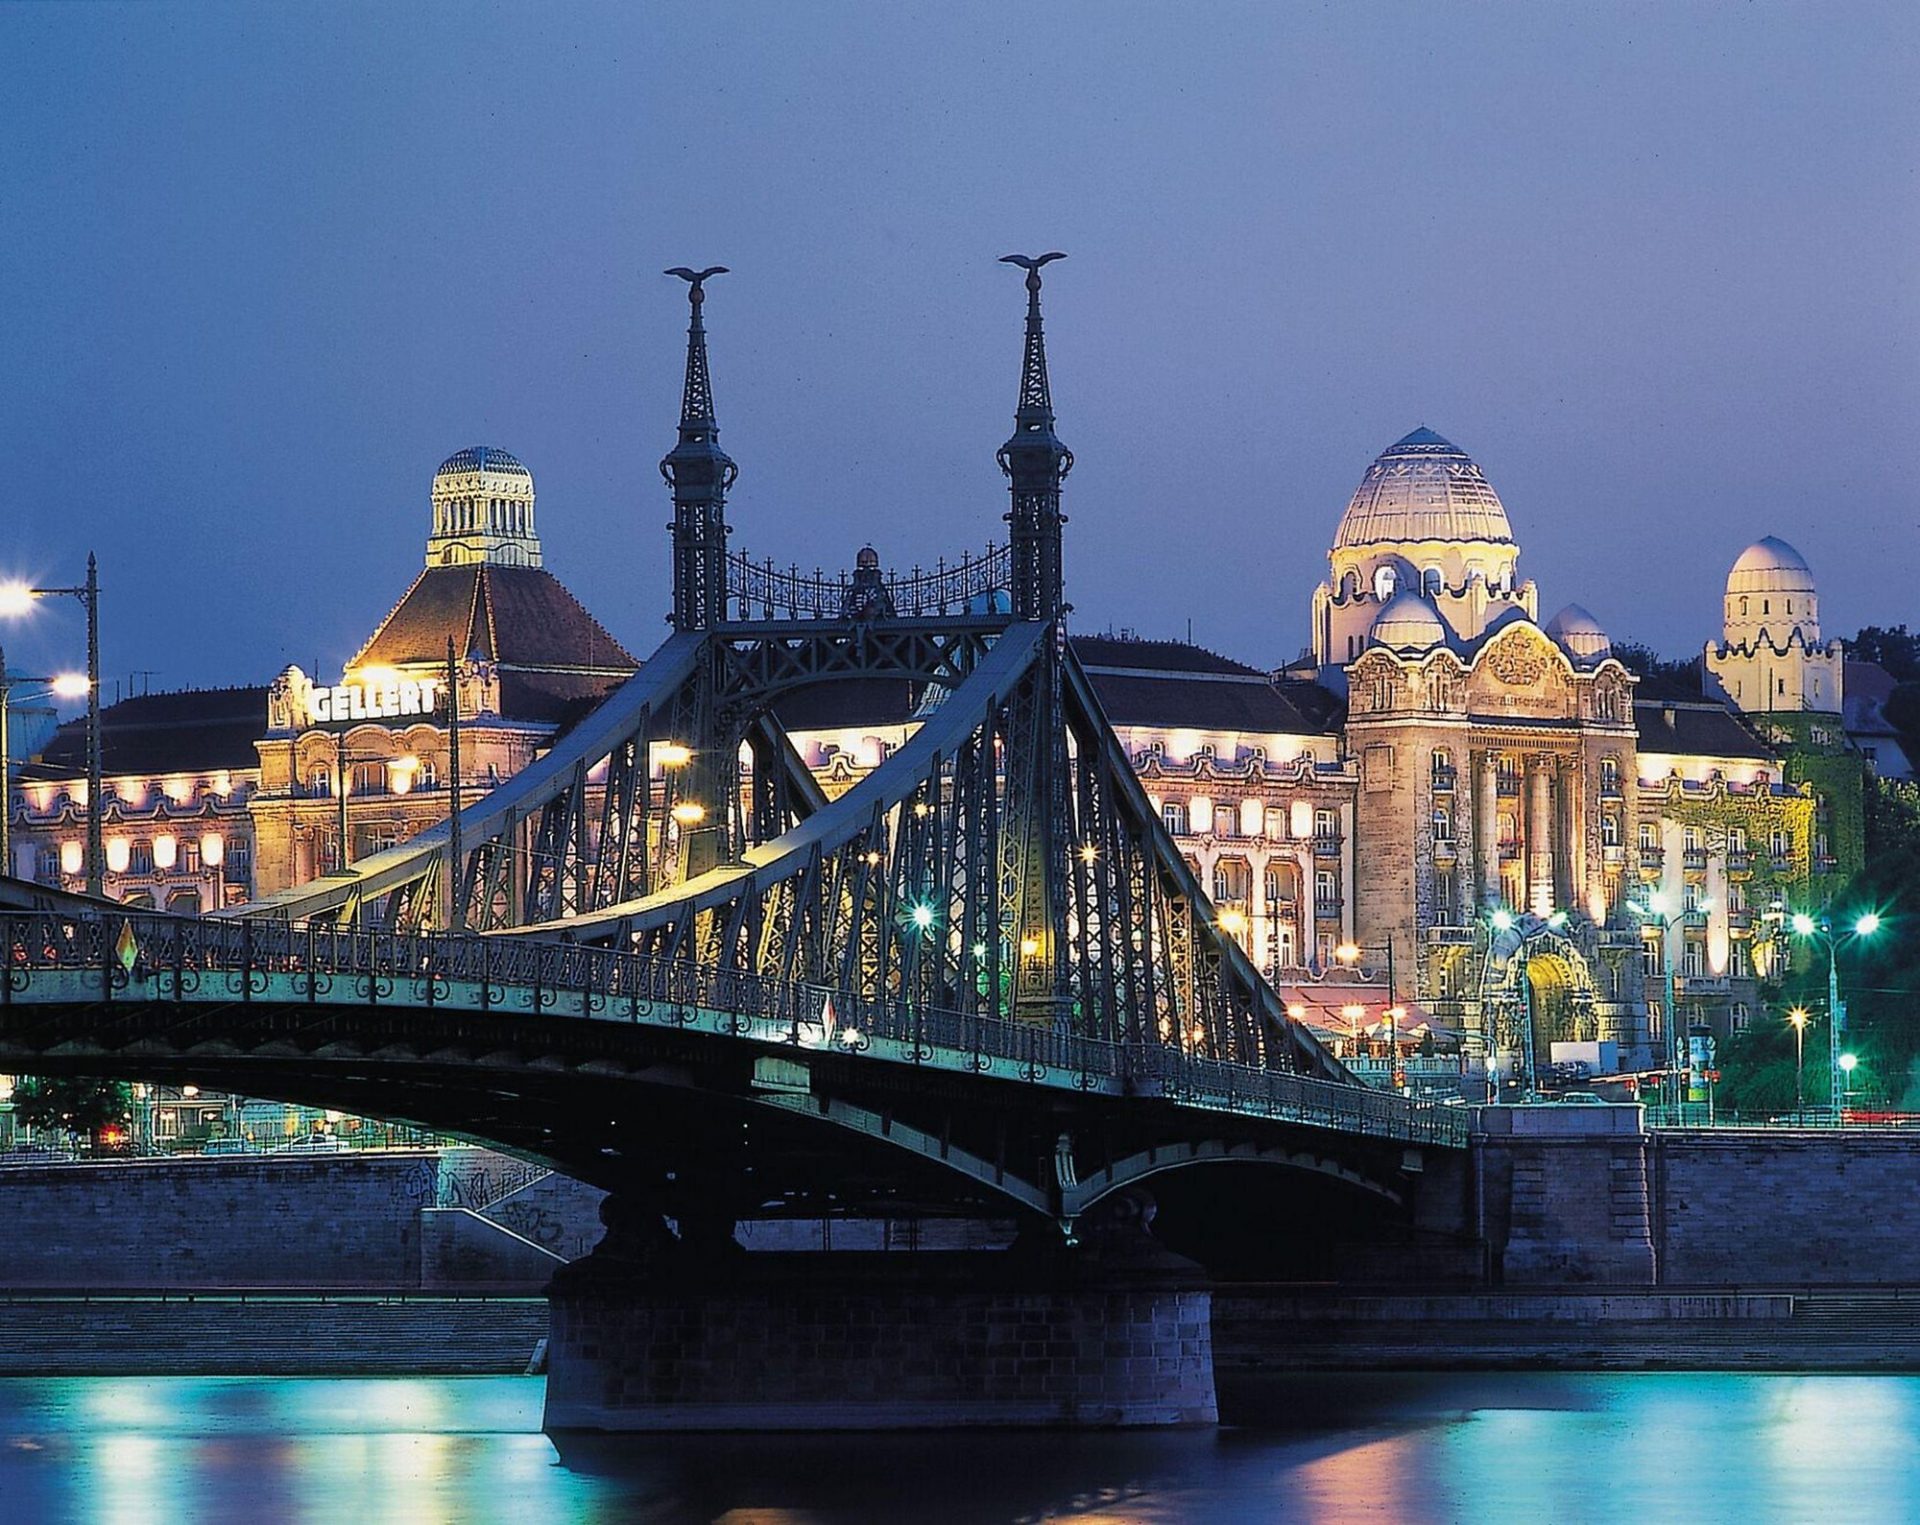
[[1770, 566], [481, 458], [1423, 488], [1408, 624], [1579, 635]]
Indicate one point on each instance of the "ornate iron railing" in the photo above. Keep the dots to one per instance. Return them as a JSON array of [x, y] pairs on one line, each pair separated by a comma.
[[762, 590], [164, 958]]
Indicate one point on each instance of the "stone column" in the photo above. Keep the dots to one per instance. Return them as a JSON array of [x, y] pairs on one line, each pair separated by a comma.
[[1486, 827], [1539, 804], [1569, 847]]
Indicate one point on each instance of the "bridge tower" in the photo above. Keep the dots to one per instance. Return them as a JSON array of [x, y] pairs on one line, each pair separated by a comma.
[[699, 472], [1035, 463]]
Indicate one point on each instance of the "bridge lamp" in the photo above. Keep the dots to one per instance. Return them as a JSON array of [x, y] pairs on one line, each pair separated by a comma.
[[1803, 924], [979, 950], [1347, 953], [1502, 920], [922, 809], [672, 754], [1867, 925], [688, 813], [923, 917], [1088, 853], [1233, 923], [1029, 947], [1297, 1012]]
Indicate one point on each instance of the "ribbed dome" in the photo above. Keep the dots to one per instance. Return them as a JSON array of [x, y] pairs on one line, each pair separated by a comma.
[[1423, 488], [1408, 623], [1578, 634], [482, 458], [1770, 566]]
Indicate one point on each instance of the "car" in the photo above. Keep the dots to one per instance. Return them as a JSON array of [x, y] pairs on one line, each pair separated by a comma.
[[230, 1146], [1582, 1098], [313, 1143]]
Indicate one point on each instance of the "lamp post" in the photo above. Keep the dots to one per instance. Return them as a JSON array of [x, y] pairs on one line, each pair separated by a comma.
[[18, 598], [1347, 954], [1805, 925], [1847, 1062], [1798, 1017], [67, 686]]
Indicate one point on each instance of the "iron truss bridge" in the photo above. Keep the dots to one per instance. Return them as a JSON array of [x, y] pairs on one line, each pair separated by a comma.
[[112, 962], [766, 591]]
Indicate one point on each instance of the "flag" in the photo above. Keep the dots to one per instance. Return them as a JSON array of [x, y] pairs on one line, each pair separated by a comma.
[[127, 947], [827, 1019]]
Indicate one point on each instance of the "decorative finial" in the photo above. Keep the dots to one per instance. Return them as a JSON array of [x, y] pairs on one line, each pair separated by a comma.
[[1035, 463]]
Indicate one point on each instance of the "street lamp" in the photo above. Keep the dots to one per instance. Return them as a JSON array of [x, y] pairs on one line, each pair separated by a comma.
[[1847, 1062], [17, 599], [66, 686], [1805, 925], [1798, 1017]]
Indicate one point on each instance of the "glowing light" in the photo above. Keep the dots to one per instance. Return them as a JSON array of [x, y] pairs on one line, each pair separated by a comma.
[[1297, 1011], [1503, 921], [1657, 903], [213, 848], [688, 813], [923, 917], [189, 1092], [72, 685], [672, 754], [1803, 924], [1232, 923], [1029, 947], [119, 854], [1798, 1016], [922, 809], [16, 598], [1397, 1013], [71, 857], [1347, 952], [1088, 853], [1557, 920], [1868, 924], [979, 950], [166, 852], [1848, 1061], [178, 789]]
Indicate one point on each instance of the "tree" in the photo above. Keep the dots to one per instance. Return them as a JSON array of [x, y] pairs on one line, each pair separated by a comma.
[[1660, 677], [72, 1105]]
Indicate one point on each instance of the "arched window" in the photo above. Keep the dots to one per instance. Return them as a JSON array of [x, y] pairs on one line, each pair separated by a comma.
[[1431, 582], [1609, 830], [1743, 608], [1383, 580], [320, 781]]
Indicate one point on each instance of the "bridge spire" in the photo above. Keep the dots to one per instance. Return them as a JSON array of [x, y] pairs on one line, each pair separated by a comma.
[[1036, 463], [699, 472]]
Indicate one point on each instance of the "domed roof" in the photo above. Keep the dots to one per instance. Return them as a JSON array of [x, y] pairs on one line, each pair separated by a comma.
[[1578, 634], [481, 458], [1770, 566], [1408, 623], [1423, 488]]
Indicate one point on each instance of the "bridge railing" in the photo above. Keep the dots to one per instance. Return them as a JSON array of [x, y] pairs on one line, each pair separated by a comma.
[[139, 956]]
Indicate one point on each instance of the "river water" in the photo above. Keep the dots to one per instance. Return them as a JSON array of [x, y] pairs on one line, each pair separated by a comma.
[[1560, 1448]]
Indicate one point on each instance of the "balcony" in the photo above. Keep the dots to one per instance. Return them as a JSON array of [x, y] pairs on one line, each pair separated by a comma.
[[1449, 937], [1701, 985], [1694, 860], [1739, 862], [1445, 850], [1782, 862], [1327, 909], [1327, 845], [1613, 856], [1444, 780], [1610, 789], [1507, 785], [1825, 863], [1740, 920], [1653, 857]]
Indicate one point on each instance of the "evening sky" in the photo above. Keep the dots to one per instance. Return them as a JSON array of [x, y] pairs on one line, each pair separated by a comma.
[[1653, 266]]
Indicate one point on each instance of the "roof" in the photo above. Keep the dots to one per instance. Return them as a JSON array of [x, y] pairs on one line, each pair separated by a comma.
[[189, 730], [481, 458], [1696, 730], [1126, 653], [1423, 487], [549, 648]]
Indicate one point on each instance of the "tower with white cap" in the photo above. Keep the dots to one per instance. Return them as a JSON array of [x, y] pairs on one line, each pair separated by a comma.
[[1770, 658]]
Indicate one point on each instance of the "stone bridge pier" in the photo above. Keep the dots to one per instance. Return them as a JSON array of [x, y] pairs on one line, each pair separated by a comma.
[[654, 1331]]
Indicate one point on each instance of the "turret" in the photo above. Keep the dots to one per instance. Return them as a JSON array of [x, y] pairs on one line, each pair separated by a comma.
[[699, 472], [1036, 463]]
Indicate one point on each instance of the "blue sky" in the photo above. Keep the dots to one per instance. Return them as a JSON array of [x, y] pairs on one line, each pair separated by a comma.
[[1652, 265]]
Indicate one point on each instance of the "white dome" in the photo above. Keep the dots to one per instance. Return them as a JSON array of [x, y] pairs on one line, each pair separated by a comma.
[[1770, 566], [1579, 634], [1423, 488], [1408, 624]]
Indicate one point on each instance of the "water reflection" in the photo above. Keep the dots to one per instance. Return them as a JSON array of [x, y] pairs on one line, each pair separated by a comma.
[[1326, 1450]]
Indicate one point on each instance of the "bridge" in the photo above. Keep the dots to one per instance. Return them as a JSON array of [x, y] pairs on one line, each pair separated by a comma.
[[983, 982]]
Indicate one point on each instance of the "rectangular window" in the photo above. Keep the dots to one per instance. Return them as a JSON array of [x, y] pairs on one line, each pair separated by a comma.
[[1649, 836], [1226, 820], [1326, 823], [1650, 957], [1694, 963], [1173, 815]]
